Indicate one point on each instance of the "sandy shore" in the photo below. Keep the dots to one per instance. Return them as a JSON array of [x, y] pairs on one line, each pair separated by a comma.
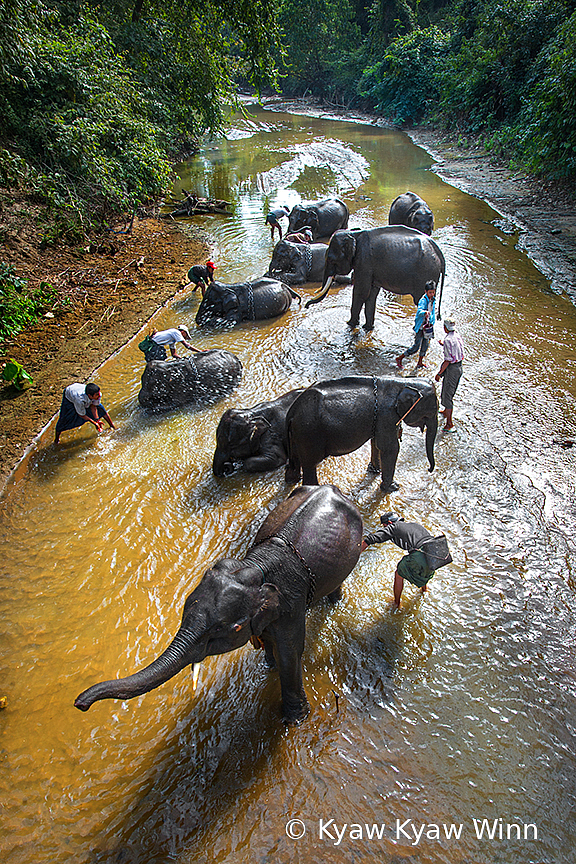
[[125, 282]]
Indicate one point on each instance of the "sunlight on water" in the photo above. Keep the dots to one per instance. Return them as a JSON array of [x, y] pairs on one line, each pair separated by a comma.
[[458, 707]]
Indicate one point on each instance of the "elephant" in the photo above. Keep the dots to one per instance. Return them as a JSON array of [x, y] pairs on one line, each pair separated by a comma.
[[399, 259], [323, 217], [335, 417], [255, 437], [303, 551], [411, 210], [203, 377], [244, 301], [297, 263]]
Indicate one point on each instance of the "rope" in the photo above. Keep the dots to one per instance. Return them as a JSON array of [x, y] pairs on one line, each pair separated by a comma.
[[308, 258], [409, 409], [290, 545]]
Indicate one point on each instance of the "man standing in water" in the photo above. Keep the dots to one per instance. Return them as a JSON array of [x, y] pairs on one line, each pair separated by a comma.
[[81, 404], [450, 371], [273, 219], [410, 536], [423, 326]]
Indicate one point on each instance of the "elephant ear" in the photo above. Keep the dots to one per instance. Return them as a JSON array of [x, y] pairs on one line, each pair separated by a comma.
[[258, 426], [268, 608], [406, 400]]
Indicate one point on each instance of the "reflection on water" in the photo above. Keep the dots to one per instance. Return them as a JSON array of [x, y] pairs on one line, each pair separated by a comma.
[[460, 706]]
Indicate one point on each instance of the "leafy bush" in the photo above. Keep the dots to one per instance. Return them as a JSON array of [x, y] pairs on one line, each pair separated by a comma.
[[20, 306], [405, 84]]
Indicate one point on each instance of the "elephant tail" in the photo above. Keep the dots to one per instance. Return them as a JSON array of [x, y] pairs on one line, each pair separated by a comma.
[[322, 293]]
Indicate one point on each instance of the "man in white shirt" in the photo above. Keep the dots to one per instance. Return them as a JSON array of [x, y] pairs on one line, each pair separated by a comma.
[[81, 404], [170, 337], [450, 370]]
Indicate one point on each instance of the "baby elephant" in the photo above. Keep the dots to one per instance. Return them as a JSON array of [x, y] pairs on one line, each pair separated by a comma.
[[254, 437]]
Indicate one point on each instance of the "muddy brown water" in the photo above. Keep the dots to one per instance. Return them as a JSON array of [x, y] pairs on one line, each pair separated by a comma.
[[458, 708]]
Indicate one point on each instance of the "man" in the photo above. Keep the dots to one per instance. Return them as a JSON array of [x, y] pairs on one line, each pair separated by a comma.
[[450, 371], [170, 338], [273, 218], [303, 236], [423, 326], [81, 404], [201, 274], [410, 536]]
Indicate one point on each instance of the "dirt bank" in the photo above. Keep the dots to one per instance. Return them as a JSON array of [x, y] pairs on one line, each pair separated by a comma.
[[113, 291]]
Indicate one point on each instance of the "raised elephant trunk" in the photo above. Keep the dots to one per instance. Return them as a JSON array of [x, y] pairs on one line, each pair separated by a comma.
[[177, 655], [431, 431]]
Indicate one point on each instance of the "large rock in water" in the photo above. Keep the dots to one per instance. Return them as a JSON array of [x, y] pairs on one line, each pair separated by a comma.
[[202, 377]]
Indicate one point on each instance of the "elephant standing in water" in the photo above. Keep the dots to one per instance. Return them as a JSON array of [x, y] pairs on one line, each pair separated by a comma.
[[411, 210], [203, 377], [399, 259], [336, 417], [304, 550], [254, 437], [323, 217], [298, 263], [244, 301]]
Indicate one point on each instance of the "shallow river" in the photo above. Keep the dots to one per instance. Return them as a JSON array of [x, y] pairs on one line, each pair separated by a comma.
[[460, 707]]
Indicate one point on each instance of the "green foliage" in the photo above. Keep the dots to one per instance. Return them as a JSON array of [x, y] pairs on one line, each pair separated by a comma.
[[404, 85], [20, 306]]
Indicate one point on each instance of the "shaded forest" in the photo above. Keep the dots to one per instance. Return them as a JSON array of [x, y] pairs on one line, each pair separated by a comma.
[[99, 97]]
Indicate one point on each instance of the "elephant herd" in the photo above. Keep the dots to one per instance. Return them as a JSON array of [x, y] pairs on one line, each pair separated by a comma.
[[312, 540]]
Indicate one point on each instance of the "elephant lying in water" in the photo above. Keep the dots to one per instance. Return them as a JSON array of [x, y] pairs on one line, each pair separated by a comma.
[[323, 217], [298, 263], [244, 301], [411, 210], [304, 550], [254, 437], [399, 259], [203, 377], [336, 417]]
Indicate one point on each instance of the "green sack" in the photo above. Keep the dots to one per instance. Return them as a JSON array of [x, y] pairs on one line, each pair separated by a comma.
[[151, 349], [16, 375]]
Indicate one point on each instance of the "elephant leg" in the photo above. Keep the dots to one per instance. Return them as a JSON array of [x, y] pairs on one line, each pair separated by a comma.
[[268, 650], [355, 308], [289, 650], [370, 309], [309, 475], [375, 462], [293, 469], [389, 450], [335, 595]]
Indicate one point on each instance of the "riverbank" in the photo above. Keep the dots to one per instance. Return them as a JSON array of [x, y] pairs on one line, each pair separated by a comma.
[[113, 290]]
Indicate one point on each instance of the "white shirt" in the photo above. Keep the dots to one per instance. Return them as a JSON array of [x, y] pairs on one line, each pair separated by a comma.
[[76, 393], [453, 347], [168, 337]]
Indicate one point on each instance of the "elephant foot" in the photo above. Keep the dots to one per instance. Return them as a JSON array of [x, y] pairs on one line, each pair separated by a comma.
[[374, 469], [293, 715], [352, 323], [367, 327], [291, 477], [387, 488], [335, 596]]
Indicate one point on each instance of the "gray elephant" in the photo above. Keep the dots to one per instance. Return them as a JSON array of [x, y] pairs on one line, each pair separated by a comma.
[[411, 210], [399, 259], [336, 417], [254, 437], [298, 263], [203, 377], [244, 301], [323, 217], [304, 550]]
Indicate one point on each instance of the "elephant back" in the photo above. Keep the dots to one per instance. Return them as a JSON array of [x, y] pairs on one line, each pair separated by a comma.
[[204, 377]]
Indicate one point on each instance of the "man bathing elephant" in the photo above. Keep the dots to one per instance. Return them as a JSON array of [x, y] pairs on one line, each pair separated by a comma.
[[304, 550], [255, 300]]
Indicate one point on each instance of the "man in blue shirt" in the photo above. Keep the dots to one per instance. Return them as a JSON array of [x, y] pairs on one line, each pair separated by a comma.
[[423, 326]]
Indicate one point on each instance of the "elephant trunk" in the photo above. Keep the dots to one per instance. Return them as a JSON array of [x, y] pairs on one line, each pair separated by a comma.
[[322, 293], [222, 465], [431, 431], [177, 655]]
